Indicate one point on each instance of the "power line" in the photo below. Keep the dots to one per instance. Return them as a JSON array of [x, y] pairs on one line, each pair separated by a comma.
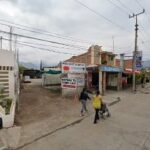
[[41, 48], [124, 6], [44, 32], [50, 46], [118, 7], [39, 39], [47, 45], [127, 8], [100, 15], [143, 8]]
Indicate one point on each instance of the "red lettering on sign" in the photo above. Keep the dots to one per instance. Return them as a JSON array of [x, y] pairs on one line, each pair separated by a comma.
[[66, 68]]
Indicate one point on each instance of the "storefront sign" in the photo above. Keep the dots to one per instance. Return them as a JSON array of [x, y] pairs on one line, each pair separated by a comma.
[[69, 67], [68, 83], [110, 69]]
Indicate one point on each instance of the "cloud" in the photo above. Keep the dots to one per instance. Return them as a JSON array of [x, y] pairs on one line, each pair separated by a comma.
[[69, 18]]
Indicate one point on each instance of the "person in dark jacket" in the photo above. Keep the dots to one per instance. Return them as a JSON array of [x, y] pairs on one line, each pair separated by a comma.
[[83, 98]]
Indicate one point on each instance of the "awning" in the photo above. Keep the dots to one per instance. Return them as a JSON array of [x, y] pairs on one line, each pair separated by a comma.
[[110, 69], [130, 71]]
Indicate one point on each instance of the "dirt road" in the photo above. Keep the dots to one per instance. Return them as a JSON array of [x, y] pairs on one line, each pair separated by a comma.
[[38, 103]]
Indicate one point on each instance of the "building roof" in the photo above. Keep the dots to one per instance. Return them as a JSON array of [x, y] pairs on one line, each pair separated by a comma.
[[108, 53]]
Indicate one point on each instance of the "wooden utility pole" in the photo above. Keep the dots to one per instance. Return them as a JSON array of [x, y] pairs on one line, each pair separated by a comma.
[[10, 38], [135, 49], [1, 43]]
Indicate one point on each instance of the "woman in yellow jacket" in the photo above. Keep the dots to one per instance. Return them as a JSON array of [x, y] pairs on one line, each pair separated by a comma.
[[97, 101]]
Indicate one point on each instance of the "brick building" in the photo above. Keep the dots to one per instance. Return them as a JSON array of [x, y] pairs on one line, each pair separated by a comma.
[[91, 57], [101, 67], [127, 63]]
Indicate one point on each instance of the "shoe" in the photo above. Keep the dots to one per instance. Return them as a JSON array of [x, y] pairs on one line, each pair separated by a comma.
[[81, 115], [94, 122]]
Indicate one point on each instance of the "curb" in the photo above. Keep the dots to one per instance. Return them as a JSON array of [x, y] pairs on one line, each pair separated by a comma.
[[49, 133], [60, 128]]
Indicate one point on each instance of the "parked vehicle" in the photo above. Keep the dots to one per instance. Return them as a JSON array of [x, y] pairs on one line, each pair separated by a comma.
[[27, 79]]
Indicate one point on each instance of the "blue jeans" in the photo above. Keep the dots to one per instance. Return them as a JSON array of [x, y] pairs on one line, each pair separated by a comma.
[[83, 102]]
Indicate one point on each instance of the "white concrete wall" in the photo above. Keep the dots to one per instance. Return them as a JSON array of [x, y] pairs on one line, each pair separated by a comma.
[[51, 79], [7, 58]]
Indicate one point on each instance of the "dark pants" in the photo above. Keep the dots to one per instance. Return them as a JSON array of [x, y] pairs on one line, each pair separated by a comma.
[[96, 115], [83, 106]]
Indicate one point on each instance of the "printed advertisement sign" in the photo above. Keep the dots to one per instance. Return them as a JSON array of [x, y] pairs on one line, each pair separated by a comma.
[[79, 77], [138, 59], [68, 83], [69, 67]]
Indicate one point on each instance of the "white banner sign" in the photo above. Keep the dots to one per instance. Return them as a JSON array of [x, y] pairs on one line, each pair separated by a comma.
[[69, 67], [68, 83], [80, 77]]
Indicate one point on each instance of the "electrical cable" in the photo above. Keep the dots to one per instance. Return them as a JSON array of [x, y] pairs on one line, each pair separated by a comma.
[[39, 39], [41, 48], [100, 15], [44, 32]]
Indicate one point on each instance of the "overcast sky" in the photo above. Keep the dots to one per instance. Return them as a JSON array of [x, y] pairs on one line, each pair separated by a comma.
[[107, 20]]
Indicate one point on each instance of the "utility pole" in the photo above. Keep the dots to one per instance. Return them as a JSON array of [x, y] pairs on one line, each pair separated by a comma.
[[1, 43], [15, 44], [10, 38], [135, 48]]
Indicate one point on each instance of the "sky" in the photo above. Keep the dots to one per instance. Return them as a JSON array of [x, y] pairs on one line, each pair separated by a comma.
[[70, 27]]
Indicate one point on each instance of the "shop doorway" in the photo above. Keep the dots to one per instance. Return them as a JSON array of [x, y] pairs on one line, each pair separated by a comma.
[[95, 80]]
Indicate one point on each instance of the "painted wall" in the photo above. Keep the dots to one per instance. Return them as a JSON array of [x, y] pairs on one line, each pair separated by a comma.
[[9, 72]]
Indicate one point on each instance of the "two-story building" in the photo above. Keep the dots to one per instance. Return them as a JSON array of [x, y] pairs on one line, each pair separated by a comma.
[[102, 71]]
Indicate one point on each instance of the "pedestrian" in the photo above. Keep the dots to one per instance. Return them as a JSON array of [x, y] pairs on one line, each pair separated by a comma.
[[83, 98], [97, 101]]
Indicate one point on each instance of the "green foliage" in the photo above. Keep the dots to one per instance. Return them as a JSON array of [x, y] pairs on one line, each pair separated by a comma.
[[138, 78], [1, 92], [21, 69], [5, 102]]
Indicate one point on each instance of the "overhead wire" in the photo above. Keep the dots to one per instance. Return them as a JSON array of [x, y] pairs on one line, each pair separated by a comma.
[[41, 48], [67, 48], [40, 39], [143, 8], [44, 32], [143, 33], [99, 14], [120, 8], [124, 6]]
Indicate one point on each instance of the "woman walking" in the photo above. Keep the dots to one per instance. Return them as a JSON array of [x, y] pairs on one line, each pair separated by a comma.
[[97, 101], [83, 98]]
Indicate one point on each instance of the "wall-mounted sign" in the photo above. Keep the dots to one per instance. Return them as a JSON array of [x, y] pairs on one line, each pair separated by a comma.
[[138, 59], [68, 83], [69, 67], [110, 69]]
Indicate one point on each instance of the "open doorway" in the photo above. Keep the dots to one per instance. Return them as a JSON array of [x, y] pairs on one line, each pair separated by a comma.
[[95, 79]]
